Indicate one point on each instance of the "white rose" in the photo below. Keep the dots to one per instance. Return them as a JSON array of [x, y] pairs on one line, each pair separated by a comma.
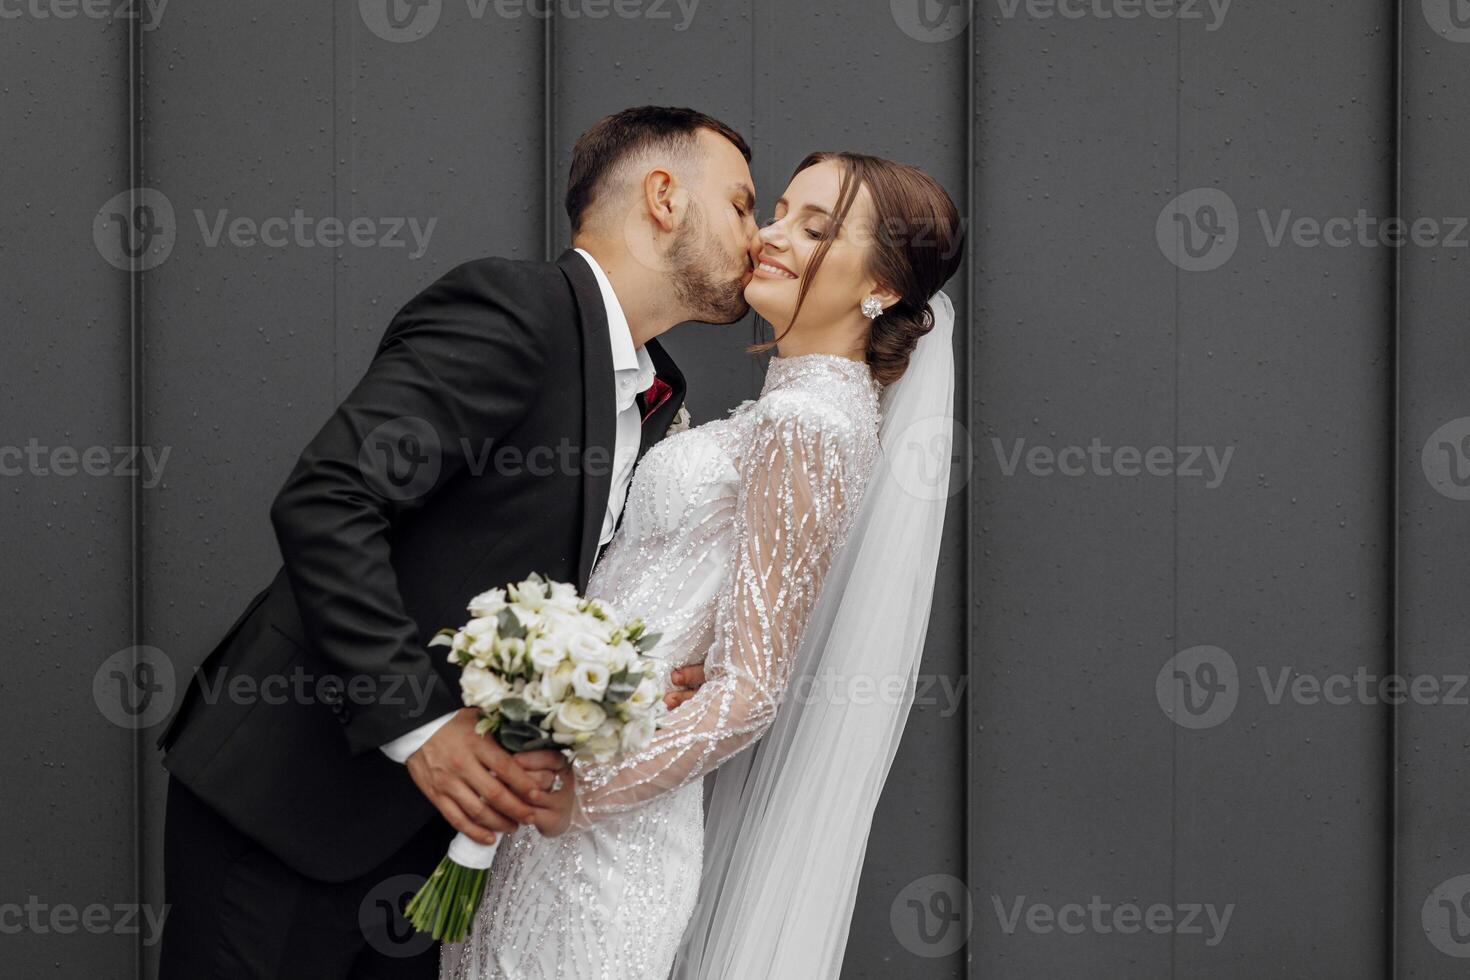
[[482, 688], [545, 653], [590, 680], [637, 733], [585, 648], [576, 716]]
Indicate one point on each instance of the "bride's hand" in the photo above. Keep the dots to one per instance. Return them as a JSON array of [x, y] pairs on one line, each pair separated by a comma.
[[556, 800], [689, 679]]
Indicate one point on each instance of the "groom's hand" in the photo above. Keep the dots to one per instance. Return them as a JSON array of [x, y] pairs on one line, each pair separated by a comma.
[[689, 680], [475, 784]]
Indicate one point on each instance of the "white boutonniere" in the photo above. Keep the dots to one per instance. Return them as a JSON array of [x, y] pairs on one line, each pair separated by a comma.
[[681, 421]]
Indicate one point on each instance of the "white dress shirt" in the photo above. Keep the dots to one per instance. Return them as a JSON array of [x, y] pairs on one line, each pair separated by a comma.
[[632, 373]]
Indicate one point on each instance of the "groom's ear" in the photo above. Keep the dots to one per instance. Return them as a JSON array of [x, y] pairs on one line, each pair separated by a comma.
[[663, 197]]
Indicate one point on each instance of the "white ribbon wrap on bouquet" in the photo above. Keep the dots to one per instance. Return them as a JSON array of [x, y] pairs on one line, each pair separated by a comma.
[[472, 854]]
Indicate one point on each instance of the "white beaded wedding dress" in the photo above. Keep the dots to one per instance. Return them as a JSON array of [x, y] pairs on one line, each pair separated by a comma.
[[728, 532]]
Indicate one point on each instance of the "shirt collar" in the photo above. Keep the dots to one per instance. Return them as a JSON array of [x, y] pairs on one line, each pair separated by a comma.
[[629, 364]]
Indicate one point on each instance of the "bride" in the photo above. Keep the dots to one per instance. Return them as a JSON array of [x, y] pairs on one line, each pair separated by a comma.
[[791, 548]]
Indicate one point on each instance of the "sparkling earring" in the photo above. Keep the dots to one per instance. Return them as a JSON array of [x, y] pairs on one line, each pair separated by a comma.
[[872, 309]]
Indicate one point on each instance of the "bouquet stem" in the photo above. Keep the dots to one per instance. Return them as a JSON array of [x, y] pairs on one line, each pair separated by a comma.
[[445, 906]]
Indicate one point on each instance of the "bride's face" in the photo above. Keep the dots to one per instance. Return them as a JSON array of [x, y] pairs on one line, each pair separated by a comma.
[[782, 250]]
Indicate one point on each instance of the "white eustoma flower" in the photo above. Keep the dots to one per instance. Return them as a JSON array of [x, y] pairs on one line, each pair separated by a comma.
[[535, 697], [483, 688], [558, 682], [487, 603], [624, 655], [511, 654], [545, 653], [644, 695], [637, 732], [564, 596], [480, 626], [585, 648], [603, 744], [531, 594], [482, 649], [589, 680], [577, 716]]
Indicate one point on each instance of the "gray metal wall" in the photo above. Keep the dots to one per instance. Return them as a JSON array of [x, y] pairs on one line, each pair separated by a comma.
[[1065, 760]]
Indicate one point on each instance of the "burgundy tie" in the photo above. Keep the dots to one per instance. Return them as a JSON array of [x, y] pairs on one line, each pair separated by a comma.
[[656, 395]]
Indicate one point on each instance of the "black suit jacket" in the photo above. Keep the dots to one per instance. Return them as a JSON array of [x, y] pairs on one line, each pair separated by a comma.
[[475, 450]]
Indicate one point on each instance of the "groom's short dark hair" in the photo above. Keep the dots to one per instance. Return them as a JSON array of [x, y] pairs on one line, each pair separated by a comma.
[[614, 138]]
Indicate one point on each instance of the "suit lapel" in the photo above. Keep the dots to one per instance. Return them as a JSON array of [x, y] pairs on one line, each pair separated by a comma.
[[599, 424], [658, 423]]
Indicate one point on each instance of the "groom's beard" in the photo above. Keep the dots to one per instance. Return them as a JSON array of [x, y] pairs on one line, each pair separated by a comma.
[[707, 296]]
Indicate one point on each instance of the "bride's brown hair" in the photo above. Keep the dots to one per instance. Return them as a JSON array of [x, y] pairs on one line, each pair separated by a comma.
[[917, 244]]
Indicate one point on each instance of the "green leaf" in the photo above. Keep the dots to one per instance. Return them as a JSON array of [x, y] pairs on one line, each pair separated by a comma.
[[647, 641], [620, 686], [520, 736], [507, 625], [515, 709]]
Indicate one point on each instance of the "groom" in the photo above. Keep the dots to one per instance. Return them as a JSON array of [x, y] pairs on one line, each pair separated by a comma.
[[493, 435]]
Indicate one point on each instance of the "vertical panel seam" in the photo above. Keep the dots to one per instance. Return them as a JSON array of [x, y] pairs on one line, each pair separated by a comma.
[[134, 110], [972, 872], [548, 136], [1391, 919]]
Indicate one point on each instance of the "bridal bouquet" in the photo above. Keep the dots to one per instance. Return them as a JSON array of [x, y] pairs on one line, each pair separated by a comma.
[[545, 668]]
